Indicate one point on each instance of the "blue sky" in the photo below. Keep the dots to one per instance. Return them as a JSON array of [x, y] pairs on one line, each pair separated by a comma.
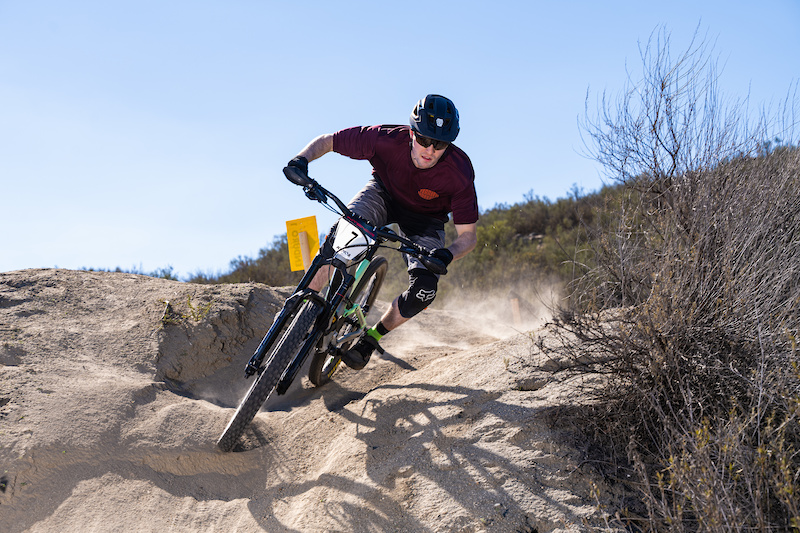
[[146, 134]]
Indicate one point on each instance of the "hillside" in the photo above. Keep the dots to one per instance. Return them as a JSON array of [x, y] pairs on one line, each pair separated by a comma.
[[111, 400]]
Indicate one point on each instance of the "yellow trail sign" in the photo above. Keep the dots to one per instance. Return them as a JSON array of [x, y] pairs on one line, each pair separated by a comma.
[[303, 242]]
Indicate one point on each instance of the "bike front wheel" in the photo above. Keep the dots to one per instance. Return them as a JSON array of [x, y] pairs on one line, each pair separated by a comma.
[[299, 325], [328, 357]]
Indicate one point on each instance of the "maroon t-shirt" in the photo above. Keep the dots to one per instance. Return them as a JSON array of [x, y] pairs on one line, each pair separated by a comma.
[[448, 186]]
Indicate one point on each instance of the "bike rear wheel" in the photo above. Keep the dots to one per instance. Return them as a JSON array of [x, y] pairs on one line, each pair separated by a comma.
[[290, 341], [327, 358]]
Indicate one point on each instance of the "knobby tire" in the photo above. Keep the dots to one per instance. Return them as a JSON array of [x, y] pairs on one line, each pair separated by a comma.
[[324, 364], [265, 382]]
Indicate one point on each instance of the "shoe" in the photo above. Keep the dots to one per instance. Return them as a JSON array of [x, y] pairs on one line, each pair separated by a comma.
[[358, 356]]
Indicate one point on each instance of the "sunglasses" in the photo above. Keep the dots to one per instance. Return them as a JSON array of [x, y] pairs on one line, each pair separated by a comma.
[[427, 141]]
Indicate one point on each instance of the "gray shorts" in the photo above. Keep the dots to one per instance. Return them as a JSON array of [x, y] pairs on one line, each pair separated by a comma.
[[374, 203]]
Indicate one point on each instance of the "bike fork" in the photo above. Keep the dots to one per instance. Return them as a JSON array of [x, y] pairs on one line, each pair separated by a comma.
[[311, 342], [297, 363], [293, 303]]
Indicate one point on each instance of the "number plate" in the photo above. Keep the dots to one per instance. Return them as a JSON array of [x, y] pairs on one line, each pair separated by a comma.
[[350, 244]]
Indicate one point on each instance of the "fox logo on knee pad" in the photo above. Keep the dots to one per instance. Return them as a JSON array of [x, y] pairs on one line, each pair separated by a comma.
[[425, 296], [420, 293]]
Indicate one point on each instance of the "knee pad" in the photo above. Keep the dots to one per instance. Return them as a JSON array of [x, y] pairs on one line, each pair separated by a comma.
[[420, 293]]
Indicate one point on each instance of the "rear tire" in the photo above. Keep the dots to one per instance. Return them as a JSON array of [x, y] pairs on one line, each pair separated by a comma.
[[287, 346], [324, 363]]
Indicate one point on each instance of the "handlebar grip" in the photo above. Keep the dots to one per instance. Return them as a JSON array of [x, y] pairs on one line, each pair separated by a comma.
[[294, 175]]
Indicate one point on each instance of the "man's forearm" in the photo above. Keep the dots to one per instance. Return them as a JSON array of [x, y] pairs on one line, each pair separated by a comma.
[[318, 147], [463, 244]]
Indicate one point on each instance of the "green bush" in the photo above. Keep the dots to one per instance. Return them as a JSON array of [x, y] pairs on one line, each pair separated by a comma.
[[271, 267], [163, 273]]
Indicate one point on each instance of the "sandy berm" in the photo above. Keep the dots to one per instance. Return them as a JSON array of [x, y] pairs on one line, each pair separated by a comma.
[[116, 386]]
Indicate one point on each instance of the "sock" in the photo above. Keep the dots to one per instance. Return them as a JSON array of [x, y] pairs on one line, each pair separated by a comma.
[[380, 328], [378, 331]]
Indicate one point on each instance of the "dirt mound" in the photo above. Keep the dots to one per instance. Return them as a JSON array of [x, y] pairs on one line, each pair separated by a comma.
[[115, 386]]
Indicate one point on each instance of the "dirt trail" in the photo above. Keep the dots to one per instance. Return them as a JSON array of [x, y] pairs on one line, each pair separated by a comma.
[[114, 387]]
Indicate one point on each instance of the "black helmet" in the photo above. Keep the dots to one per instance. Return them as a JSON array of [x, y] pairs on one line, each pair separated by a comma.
[[436, 117]]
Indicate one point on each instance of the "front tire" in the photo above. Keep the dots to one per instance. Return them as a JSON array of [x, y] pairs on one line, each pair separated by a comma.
[[290, 342], [326, 359]]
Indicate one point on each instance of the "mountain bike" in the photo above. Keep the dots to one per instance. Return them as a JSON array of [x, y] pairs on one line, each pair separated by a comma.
[[324, 324]]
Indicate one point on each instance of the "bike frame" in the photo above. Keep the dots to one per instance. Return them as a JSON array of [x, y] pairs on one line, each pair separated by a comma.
[[341, 281], [330, 304], [301, 295]]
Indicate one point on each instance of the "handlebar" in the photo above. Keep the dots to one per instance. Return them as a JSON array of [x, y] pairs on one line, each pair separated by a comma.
[[315, 191], [432, 263]]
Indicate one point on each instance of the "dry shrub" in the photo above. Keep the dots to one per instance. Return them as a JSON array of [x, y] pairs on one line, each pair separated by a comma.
[[701, 266]]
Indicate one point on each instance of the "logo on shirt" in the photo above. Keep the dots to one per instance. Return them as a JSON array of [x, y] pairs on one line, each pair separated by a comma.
[[427, 194]]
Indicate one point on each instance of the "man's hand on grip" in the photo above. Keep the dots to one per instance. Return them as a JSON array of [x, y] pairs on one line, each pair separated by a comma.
[[443, 254], [301, 164]]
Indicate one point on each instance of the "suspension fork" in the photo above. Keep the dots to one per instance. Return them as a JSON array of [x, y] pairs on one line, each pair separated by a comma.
[[293, 303], [301, 293], [311, 341]]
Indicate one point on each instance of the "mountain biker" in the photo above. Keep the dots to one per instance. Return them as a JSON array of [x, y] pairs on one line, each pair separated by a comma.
[[418, 178]]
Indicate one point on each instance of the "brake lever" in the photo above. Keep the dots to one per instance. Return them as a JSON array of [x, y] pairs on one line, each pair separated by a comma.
[[313, 193]]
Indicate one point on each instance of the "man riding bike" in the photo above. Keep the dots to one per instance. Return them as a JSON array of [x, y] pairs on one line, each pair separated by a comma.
[[418, 178]]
